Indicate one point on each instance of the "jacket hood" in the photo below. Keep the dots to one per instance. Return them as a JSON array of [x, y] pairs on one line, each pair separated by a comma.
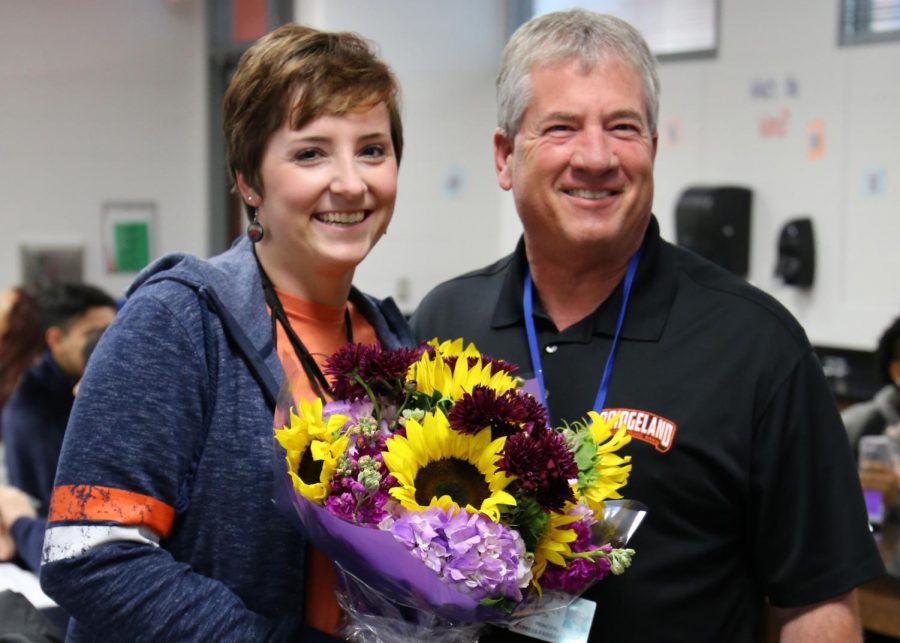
[[230, 283], [229, 277]]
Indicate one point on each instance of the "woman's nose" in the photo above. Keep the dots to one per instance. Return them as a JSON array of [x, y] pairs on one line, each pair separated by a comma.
[[347, 180]]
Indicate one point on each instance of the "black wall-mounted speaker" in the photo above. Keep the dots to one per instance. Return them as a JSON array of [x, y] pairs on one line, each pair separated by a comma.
[[797, 253], [714, 222]]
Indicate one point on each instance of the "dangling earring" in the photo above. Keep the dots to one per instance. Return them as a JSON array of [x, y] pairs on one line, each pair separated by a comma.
[[255, 230]]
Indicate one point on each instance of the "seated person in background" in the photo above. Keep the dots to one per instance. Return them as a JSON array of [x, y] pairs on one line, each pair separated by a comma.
[[35, 417], [21, 340], [883, 410], [21, 343], [21, 527]]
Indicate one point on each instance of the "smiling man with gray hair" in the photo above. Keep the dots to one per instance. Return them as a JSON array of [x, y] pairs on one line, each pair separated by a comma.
[[737, 446]]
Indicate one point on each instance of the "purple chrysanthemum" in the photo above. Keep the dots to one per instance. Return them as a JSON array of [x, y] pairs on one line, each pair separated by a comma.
[[543, 466], [477, 555], [383, 370], [506, 414], [389, 364], [344, 365]]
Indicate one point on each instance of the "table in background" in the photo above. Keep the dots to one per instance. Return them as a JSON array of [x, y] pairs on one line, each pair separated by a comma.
[[879, 600]]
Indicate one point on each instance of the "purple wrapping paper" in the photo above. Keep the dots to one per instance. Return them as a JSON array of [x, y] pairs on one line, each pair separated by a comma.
[[375, 557], [380, 561]]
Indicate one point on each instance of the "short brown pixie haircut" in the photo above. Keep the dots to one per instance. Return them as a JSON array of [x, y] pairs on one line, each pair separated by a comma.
[[293, 75]]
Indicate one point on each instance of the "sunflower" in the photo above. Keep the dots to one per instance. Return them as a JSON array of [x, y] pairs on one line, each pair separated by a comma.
[[313, 446], [554, 546], [451, 350], [607, 472], [454, 348], [437, 466], [435, 375]]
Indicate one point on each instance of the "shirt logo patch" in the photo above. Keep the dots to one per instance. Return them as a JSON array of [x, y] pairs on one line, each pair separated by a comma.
[[645, 426]]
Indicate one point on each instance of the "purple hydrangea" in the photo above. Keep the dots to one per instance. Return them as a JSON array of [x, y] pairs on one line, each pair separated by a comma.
[[470, 551]]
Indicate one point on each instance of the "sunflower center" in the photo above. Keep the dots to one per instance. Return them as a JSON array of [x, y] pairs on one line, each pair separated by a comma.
[[309, 470], [460, 480]]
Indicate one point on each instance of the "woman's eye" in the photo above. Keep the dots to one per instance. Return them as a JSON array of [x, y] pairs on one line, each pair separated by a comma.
[[310, 154], [373, 151]]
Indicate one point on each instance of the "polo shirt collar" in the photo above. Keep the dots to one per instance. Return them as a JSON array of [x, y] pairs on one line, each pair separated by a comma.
[[652, 293]]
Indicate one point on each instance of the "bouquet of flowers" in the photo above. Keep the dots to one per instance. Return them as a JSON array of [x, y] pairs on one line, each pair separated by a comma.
[[436, 485]]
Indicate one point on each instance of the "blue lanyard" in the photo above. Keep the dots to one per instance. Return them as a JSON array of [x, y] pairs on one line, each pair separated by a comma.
[[528, 308]]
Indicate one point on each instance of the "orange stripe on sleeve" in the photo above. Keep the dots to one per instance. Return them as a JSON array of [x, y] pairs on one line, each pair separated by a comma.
[[95, 502]]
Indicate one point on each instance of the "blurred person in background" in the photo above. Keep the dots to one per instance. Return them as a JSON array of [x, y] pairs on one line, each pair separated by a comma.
[[21, 339], [162, 525], [35, 416], [21, 344], [874, 416], [22, 523]]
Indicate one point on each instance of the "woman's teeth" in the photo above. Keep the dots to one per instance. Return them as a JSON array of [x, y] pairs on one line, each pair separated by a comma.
[[347, 218]]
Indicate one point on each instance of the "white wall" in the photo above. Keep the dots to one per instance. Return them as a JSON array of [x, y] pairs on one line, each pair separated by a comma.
[[100, 100], [107, 101], [854, 92], [445, 55]]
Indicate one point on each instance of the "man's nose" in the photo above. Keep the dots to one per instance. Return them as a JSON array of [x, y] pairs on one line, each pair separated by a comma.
[[594, 152]]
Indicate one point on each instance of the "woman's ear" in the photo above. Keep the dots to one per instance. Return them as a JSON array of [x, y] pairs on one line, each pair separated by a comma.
[[248, 194]]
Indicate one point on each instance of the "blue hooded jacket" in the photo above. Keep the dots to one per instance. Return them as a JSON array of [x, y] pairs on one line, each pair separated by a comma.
[[162, 526]]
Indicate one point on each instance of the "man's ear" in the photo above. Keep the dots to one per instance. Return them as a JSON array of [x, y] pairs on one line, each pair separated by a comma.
[[53, 336], [503, 149]]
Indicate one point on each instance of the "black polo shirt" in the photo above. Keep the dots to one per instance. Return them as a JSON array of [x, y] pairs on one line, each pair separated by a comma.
[[737, 449]]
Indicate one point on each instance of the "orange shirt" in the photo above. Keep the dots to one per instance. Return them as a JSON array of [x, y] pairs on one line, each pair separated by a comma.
[[322, 330]]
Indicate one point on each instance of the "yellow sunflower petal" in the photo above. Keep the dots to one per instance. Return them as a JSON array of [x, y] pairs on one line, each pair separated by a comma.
[[553, 546], [610, 469], [308, 430], [432, 441]]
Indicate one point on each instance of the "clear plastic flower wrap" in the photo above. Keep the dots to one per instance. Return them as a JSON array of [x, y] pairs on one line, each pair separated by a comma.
[[446, 502]]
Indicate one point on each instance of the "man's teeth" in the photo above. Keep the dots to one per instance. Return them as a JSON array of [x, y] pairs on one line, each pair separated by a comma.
[[341, 217], [589, 194]]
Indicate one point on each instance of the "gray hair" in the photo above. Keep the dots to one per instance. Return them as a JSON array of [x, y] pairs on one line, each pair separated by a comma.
[[559, 37]]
